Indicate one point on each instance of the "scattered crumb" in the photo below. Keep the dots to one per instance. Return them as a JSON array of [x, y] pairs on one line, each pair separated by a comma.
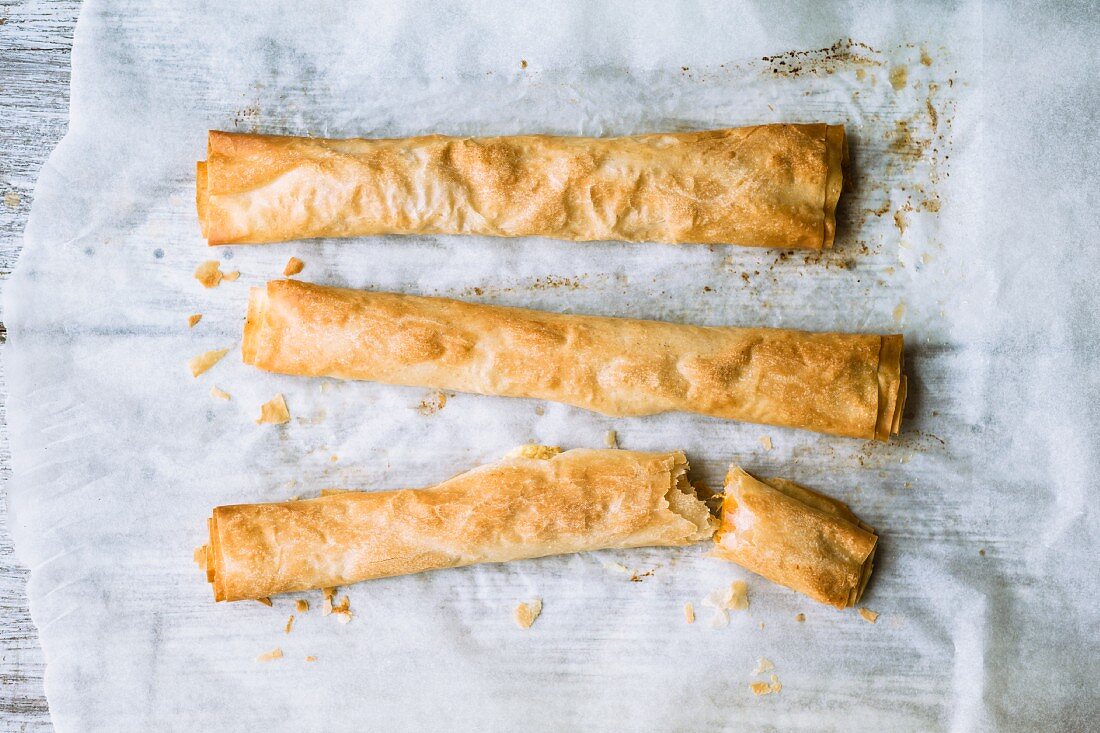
[[611, 439], [800, 618], [432, 404], [265, 601], [193, 319], [982, 552], [763, 664], [274, 411], [925, 59], [326, 607], [766, 441], [761, 625], [523, 63], [200, 557], [723, 600], [861, 74], [202, 362], [209, 274], [526, 613], [333, 458], [766, 688], [11, 198], [231, 276], [301, 605], [311, 659], [689, 613], [868, 615], [636, 577], [899, 77], [289, 624], [293, 266], [542, 452], [219, 393], [540, 410], [342, 610], [275, 653]]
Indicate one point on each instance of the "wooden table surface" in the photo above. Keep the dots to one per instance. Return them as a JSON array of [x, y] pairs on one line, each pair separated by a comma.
[[35, 41]]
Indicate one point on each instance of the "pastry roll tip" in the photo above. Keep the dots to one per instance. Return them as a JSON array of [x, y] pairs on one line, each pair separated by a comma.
[[771, 185], [534, 502], [795, 537], [836, 383]]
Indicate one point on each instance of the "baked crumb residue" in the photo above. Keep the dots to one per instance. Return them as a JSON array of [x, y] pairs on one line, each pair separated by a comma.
[[689, 612], [293, 267], [526, 613], [203, 362], [342, 610], [221, 394], [274, 411], [311, 658], [301, 605], [266, 601], [193, 319], [275, 653], [539, 452], [724, 600], [327, 595], [433, 403], [763, 664], [766, 442], [289, 624], [231, 276], [868, 615], [209, 274], [800, 618]]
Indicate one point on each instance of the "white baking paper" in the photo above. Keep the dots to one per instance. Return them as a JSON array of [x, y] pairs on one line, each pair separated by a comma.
[[986, 573]]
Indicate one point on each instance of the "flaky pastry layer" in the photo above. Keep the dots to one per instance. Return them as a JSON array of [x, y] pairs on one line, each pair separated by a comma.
[[530, 504], [842, 384], [770, 185], [795, 537]]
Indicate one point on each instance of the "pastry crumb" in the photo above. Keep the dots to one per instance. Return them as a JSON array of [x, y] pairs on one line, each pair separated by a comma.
[[289, 624], [763, 664], [221, 394], [689, 612], [800, 618], [433, 403], [193, 319], [724, 600], [526, 613], [761, 625], [275, 653], [341, 610], [541, 452], [200, 557], [274, 411], [611, 439], [293, 267], [209, 274], [766, 441], [766, 688], [301, 605], [311, 659], [868, 615], [203, 362], [266, 601], [231, 276]]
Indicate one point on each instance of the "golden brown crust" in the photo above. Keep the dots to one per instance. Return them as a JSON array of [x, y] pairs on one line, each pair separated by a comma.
[[843, 384], [795, 537], [771, 186], [513, 509]]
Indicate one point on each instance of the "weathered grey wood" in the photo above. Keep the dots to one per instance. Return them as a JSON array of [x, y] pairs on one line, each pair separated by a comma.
[[35, 41]]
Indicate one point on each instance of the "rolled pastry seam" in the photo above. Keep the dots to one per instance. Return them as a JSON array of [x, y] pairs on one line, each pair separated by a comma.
[[795, 537], [842, 384], [770, 186], [535, 502]]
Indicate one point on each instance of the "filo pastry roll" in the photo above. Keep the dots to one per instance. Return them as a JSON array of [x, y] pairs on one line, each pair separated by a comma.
[[795, 537], [533, 503], [843, 384], [771, 185]]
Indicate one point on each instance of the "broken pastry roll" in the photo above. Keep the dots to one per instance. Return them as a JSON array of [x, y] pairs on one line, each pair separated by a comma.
[[770, 186], [795, 537], [535, 502], [836, 383]]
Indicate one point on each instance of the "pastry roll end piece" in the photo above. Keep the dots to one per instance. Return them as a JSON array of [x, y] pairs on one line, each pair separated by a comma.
[[769, 186], [795, 537], [534, 502]]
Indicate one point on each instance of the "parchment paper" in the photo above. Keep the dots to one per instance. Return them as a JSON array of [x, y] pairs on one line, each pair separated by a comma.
[[987, 569]]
